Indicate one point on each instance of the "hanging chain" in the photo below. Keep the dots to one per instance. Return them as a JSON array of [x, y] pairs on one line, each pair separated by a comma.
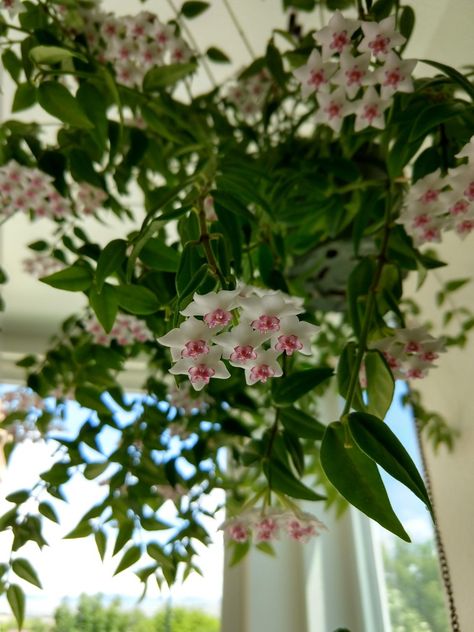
[[443, 560]]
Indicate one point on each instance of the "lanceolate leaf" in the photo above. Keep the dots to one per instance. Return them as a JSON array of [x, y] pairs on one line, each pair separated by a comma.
[[380, 383], [161, 76], [287, 390], [130, 556], [376, 439], [23, 569], [105, 305], [59, 102], [301, 424], [357, 478], [110, 260], [453, 74], [281, 479], [137, 299], [16, 600], [76, 278]]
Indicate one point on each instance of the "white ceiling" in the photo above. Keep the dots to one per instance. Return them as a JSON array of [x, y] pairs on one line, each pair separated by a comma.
[[443, 32]]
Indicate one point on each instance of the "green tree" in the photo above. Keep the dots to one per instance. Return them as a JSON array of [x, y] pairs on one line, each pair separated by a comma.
[[414, 589]]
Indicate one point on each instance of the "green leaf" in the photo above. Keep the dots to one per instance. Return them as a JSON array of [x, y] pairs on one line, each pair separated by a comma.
[[25, 97], [376, 439], [16, 600], [162, 76], [406, 23], [195, 281], [157, 255], [275, 64], [131, 556], [382, 9], [76, 278], [216, 55], [12, 64], [124, 535], [48, 511], [105, 305], [90, 397], [82, 530], [286, 390], [240, 550], [93, 470], [137, 299], [281, 479], [188, 264], [345, 367], [432, 116], [53, 54], [101, 543], [357, 478], [358, 286], [59, 102], [19, 497], [295, 450], [110, 260], [301, 424], [380, 383], [453, 74], [23, 569], [193, 8]]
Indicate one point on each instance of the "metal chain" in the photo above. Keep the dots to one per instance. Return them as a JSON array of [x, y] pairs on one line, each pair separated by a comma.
[[443, 560]]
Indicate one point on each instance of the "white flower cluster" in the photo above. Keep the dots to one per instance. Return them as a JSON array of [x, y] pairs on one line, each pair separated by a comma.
[[13, 7], [40, 265], [265, 318], [437, 204], [248, 95], [133, 43], [411, 352], [29, 405], [183, 399], [89, 198], [337, 81], [267, 525], [126, 330]]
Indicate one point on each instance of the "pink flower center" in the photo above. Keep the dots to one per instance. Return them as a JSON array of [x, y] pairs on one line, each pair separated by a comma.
[[266, 530], [339, 41], [316, 78], [429, 196], [238, 532], [429, 356], [334, 110], [421, 220], [431, 234], [393, 77], [266, 323], [243, 353], [459, 207], [217, 317], [379, 44], [261, 373], [469, 191], [415, 374], [354, 76], [465, 227], [370, 112], [201, 373], [392, 361], [194, 348], [300, 532], [412, 347], [289, 344]]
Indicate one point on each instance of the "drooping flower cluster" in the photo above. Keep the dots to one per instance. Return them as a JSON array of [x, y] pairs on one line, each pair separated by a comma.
[[249, 95], [89, 198], [26, 407], [182, 398], [127, 329], [410, 352], [133, 44], [267, 526], [267, 327], [342, 68], [31, 191], [40, 265], [437, 204]]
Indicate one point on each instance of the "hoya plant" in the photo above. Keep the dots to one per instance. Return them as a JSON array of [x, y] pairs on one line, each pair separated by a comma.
[[281, 213]]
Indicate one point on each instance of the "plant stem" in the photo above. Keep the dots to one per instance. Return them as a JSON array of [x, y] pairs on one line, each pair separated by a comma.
[[239, 28], [381, 260], [205, 240]]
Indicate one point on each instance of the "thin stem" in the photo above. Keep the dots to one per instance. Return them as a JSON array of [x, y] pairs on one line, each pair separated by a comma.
[[239, 28], [205, 240], [381, 260]]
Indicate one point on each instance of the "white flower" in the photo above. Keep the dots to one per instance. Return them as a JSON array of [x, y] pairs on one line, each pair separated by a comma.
[[336, 36], [14, 7], [394, 75], [202, 368], [333, 108], [214, 307], [303, 526], [454, 203], [427, 190], [315, 74], [463, 178], [353, 73], [380, 37], [370, 110], [240, 344], [263, 367], [265, 312], [189, 340], [464, 226], [40, 265], [294, 335], [467, 151]]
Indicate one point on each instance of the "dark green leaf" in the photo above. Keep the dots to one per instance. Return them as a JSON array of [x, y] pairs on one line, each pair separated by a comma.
[[216, 55], [193, 8], [93, 470], [48, 511], [345, 369], [12, 64], [16, 600], [453, 74], [124, 535], [162, 76], [110, 260], [376, 439], [53, 54], [286, 390], [23, 569], [25, 97], [357, 478], [76, 278], [59, 102], [101, 542], [301, 424], [157, 255], [19, 497], [82, 530], [382, 9], [360, 281], [407, 22], [275, 64], [90, 397], [39, 246], [281, 479], [131, 556], [295, 451], [137, 299], [432, 116], [380, 383], [105, 305]]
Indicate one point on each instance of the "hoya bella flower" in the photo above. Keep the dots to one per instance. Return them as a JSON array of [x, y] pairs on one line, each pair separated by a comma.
[[463, 180], [14, 7], [395, 75], [189, 340], [263, 367], [40, 265], [127, 329], [294, 335], [241, 343], [336, 36], [353, 73], [215, 307], [265, 313], [427, 190], [333, 108], [467, 151], [380, 37], [315, 74], [200, 369], [89, 198], [370, 110]]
